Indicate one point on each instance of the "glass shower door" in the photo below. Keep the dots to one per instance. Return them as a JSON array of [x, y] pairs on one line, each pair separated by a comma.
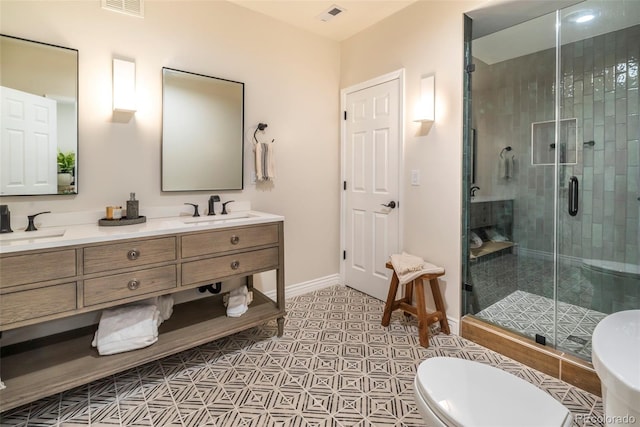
[[512, 201], [598, 168]]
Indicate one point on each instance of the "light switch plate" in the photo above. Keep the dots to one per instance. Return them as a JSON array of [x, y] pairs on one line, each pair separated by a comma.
[[415, 177]]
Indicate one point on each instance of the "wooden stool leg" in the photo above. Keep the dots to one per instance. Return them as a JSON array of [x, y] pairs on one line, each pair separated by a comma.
[[437, 298], [408, 296], [388, 306], [423, 327]]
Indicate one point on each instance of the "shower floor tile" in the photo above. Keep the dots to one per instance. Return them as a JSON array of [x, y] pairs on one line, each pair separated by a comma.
[[531, 314], [335, 365]]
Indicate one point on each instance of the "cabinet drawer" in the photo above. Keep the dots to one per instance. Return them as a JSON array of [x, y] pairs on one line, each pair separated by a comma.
[[32, 268], [25, 305], [228, 240], [214, 269], [126, 285], [130, 254]]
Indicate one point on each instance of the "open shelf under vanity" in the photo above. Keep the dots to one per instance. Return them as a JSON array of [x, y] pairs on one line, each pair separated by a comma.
[[44, 367]]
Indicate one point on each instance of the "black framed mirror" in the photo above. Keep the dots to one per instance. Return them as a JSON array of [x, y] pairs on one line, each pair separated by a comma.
[[39, 135], [202, 132]]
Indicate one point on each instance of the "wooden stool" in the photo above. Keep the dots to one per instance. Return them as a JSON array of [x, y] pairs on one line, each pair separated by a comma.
[[424, 319]]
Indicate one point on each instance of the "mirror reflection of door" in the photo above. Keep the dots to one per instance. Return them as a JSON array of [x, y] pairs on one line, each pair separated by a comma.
[[28, 144], [49, 74]]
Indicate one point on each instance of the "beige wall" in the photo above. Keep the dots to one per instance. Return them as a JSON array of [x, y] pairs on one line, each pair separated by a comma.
[[425, 38], [291, 82]]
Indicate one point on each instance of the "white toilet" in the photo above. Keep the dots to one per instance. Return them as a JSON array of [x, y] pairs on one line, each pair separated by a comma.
[[616, 359], [458, 392]]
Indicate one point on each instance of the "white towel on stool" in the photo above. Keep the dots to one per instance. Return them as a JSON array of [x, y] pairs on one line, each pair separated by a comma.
[[409, 267], [127, 328]]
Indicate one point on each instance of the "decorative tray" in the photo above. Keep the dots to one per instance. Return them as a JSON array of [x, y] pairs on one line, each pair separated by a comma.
[[122, 221]]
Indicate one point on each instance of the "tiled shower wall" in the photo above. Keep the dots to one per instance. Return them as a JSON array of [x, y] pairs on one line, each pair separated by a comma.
[[600, 88]]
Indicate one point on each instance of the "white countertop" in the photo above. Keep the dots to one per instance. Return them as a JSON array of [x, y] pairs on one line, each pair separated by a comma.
[[66, 235]]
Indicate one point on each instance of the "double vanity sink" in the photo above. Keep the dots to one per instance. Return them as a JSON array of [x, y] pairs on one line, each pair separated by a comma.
[[49, 237], [67, 270]]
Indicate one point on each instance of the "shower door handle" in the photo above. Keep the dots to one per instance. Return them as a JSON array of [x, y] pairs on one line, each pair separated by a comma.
[[573, 196]]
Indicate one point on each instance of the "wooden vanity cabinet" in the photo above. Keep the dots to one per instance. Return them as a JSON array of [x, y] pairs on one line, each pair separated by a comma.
[[42, 285]]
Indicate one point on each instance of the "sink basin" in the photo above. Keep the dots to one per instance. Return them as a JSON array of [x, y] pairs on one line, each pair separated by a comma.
[[30, 235], [217, 219]]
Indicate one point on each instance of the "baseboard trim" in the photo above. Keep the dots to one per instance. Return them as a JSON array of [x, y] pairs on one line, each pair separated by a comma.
[[308, 286]]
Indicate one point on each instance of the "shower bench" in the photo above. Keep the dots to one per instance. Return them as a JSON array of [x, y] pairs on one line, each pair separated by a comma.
[[46, 284], [497, 214]]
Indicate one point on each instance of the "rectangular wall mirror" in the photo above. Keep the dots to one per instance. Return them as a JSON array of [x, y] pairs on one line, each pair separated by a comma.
[[39, 118], [202, 132]]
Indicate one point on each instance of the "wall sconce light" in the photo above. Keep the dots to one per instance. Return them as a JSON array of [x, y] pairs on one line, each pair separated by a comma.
[[426, 111], [124, 85]]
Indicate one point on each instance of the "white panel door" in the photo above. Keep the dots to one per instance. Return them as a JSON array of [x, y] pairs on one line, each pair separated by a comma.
[[371, 170], [28, 144]]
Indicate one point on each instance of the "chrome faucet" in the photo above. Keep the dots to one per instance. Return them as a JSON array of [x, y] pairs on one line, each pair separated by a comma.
[[212, 200], [31, 226], [473, 190]]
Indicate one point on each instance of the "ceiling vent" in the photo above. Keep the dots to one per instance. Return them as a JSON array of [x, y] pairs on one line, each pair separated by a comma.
[[331, 13], [130, 7]]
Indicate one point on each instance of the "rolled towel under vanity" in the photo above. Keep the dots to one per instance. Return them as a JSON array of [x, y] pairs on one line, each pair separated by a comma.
[[237, 301], [127, 328]]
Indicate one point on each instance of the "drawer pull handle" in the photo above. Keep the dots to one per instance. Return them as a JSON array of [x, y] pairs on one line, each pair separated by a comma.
[[133, 254], [234, 240], [235, 265], [133, 284]]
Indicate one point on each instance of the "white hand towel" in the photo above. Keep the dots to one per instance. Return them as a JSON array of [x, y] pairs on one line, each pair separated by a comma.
[[164, 303], [259, 161], [2, 386], [408, 268], [237, 306], [512, 167], [237, 301], [271, 162], [165, 307], [404, 262], [126, 328]]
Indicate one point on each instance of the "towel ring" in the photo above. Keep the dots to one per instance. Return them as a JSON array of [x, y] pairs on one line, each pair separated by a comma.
[[261, 127], [507, 148]]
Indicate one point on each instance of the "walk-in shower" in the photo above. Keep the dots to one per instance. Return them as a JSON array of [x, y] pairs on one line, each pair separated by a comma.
[[552, 142]]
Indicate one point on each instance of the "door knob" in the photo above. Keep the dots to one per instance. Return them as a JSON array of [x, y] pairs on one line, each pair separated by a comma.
[[390, 205]]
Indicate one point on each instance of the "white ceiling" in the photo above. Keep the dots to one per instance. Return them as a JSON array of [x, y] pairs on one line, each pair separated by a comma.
[[304, 14], [539, 33]]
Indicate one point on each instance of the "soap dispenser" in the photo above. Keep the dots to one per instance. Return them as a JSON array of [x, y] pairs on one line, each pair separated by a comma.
[[5, 219], [132, 207]]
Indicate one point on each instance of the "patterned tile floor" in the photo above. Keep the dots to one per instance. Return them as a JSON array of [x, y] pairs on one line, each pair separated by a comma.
[[531, 314], [334, 366]]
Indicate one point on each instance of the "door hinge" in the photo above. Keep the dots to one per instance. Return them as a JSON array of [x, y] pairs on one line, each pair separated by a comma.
[[344, 254], [345, 114], [470, 68], [344, 185]]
